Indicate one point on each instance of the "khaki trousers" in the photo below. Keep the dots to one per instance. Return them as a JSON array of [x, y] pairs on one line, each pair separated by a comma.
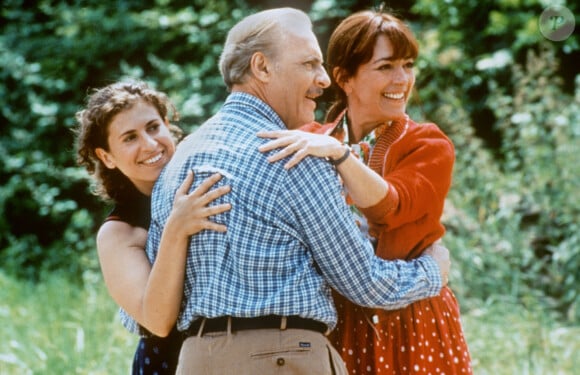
[[260, 352]]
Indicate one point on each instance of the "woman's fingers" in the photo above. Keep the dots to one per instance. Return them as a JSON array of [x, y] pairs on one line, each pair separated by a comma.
[[193, 209], [210, 225], [277, 143], [271, 133], [214, 194], [287, 151], [201, 189], [204, 213], [201, 196], [297, 158], [185, 185], [217, 209], [206, 185]]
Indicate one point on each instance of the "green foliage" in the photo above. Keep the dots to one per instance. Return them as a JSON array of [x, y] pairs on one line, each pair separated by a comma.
[[508, 338], [541, 132], [515, 216], [466, 43]]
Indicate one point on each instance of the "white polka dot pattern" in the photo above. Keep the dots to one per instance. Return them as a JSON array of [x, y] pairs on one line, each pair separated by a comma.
[[424, 338]]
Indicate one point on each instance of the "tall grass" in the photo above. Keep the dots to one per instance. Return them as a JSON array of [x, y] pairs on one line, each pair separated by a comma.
[[60, 328], [512, 339]]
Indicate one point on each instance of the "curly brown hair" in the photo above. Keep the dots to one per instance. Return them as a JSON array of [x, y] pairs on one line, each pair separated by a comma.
[[92, 131]]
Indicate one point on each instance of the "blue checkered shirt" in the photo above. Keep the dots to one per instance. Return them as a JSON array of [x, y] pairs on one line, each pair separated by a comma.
[[290, 236]]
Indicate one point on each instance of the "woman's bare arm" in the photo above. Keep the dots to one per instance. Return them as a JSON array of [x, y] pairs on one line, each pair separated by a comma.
[[152, 294]]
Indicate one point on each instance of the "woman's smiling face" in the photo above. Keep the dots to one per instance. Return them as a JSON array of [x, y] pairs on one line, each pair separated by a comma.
[[140, 145], [380, 89]]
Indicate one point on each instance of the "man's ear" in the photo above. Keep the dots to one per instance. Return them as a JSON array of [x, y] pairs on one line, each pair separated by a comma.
[[105, 157], [260, 66]]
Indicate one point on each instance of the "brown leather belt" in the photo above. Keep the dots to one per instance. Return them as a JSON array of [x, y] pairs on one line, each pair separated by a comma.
[[263, 322]]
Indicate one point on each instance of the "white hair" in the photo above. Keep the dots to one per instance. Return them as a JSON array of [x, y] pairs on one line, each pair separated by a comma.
[[258, 32]]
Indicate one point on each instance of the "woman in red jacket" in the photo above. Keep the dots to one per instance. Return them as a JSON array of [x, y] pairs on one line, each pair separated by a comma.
[[397, 181]]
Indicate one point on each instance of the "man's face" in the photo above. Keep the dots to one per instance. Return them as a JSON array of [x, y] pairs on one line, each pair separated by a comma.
[[299, 78]]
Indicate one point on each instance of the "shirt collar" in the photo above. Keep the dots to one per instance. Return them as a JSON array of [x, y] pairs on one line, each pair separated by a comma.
[[245, 99]]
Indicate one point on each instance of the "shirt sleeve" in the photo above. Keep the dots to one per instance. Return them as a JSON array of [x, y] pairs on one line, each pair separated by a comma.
[[345, 258], [129, 323], [161, 206]]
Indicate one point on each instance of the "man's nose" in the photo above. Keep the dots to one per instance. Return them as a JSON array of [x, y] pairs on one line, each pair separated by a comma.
[[322, 78]]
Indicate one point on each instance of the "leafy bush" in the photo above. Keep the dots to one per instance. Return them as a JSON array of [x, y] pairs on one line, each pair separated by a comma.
[[517, 219], [541, 132]]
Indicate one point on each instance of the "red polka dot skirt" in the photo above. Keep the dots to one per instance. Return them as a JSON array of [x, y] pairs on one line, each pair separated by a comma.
[[423, 338]]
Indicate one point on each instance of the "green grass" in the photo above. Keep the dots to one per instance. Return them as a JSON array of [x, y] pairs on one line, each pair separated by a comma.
[[59, 328], [508, 338]]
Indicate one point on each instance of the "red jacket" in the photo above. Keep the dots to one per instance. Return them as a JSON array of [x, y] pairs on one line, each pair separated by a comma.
[[417, 164]]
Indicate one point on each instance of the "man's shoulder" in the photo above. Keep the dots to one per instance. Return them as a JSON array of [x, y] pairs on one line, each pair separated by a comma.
[[314, 175]]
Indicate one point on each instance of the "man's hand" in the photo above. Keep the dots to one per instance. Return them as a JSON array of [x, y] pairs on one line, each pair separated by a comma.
[[441, 256]]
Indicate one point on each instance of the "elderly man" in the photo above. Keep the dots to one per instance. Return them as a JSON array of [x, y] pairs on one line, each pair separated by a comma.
[[257, 298]]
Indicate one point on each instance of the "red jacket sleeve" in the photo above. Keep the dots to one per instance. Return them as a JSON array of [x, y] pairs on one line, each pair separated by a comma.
[[419, 168]]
